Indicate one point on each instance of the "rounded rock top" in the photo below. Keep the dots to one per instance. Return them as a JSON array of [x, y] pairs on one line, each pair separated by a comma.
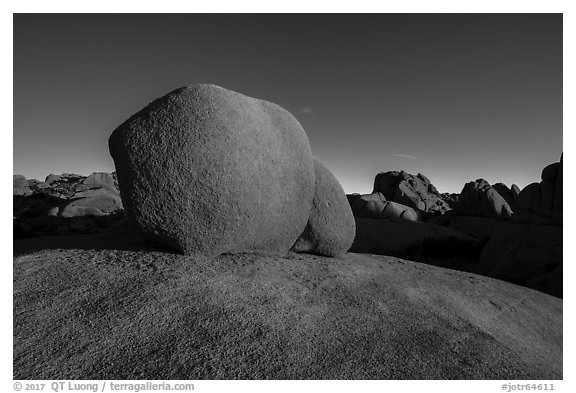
[[205, 170]]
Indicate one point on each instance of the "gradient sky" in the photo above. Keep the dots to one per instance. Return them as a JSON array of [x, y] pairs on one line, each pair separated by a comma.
[[455, 97]]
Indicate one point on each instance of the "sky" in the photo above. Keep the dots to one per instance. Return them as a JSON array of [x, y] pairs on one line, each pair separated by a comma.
[[454, 97]]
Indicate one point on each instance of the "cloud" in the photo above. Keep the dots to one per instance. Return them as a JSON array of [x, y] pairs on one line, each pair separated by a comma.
[[407, 156], [305, 111]]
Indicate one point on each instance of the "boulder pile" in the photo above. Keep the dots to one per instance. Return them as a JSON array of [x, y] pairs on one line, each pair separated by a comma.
[[65, 204], [480, 207], [416, 192], [528, 249], [386, 226]]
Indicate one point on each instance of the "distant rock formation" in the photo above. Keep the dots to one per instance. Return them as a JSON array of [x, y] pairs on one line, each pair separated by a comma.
[[451, 199], [480, 199], [528, 249], [205, 170], [541, 203], [66, 204], [375, 205], [413, 191], [330, 229]]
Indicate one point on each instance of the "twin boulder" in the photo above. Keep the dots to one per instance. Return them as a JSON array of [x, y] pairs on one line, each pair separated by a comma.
[[208, 171]]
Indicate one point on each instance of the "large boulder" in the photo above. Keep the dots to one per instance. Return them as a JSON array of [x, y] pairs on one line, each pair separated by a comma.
[[205, 170], [20, 185], [413, 191], [330, 230], [478, 198]]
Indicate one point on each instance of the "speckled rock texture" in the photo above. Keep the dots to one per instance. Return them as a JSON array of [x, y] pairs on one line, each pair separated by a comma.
[[205, 170], [101, 307], [330, 229]]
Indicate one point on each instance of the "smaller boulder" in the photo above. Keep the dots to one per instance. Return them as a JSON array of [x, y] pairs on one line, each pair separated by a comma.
[[99, 179], [330, 229]]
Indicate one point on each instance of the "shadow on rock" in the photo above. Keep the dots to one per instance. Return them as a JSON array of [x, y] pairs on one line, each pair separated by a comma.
[[119, 236]]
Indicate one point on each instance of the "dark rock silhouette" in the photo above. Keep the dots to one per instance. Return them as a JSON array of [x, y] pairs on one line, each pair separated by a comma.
[[451, 199], [206, 170], [480, 199], [330, 229], [417, 241], [413, 191], [528, 250], [21, 186]]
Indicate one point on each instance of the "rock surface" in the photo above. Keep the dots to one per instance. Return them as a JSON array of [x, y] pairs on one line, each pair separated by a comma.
[[103, 313], [330, 229], [413, 191], [205, 170]]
